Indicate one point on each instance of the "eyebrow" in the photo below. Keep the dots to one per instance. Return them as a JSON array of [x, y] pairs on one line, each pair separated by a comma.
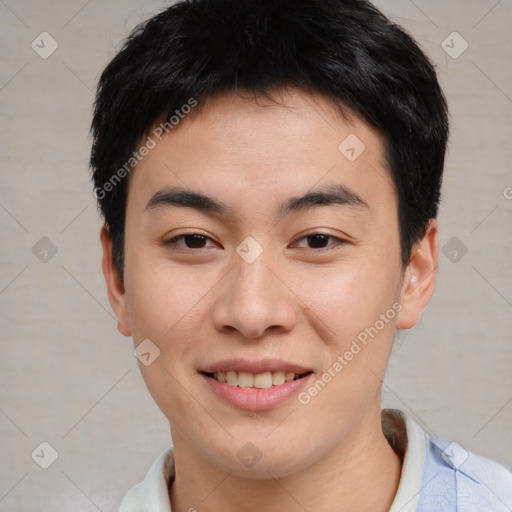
[[330, 194]]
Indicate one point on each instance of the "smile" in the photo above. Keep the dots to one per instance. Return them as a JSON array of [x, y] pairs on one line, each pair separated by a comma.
[[263, 380], [256, 392]]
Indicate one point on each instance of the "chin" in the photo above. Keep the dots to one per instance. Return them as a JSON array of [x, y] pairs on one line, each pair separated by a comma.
[[260, 461]]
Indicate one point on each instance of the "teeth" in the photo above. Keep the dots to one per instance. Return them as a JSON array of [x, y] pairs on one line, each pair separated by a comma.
[[261, 380], [245, 380], [232, 378], [278, 378]]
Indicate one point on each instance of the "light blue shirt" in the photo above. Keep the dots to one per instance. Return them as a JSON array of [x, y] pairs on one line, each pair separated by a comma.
[[437, 476], [460, 481]]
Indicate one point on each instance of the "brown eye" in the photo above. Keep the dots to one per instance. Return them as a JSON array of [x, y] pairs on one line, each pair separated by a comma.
[[321, 241], [191, 241], [318, 241]]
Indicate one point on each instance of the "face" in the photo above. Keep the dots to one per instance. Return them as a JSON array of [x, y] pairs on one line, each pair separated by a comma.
[[292, 265]]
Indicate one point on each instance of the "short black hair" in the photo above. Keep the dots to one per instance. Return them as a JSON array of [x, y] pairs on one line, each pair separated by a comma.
[[346, 50]]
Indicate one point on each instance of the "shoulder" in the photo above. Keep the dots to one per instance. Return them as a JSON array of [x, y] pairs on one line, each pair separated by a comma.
[[443, 476], [133, 500], [455, 475], [152, 494]]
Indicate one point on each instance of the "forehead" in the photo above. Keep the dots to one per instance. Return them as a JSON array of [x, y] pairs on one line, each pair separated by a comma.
[[263, 150]]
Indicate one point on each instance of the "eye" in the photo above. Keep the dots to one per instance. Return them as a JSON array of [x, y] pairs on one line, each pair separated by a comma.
[[319, 241], [192, 241]]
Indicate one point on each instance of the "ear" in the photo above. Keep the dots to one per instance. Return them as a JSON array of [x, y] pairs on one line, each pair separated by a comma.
[[419, 278], [115, 288]]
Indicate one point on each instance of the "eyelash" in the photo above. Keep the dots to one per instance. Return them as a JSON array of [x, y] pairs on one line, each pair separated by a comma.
[[173, 245]]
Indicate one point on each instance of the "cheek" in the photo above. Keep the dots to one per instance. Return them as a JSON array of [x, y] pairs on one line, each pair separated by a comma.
[[350, 300], [162, 297], [348, 297], [165, 304]]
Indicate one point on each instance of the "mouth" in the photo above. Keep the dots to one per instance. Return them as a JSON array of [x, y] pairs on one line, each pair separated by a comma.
[[256, 385], [263, 380]]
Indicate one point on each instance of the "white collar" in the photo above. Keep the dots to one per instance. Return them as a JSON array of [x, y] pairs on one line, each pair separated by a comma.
[[152, 495], [409, 488]]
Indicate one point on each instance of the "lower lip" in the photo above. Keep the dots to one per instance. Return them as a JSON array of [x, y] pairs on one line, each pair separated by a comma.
[[255, 399]]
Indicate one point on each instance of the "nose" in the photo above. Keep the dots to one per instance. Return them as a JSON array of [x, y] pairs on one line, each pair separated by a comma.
[[254, 299]]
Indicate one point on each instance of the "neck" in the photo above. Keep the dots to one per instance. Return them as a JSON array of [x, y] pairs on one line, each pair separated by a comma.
[[361, 474]]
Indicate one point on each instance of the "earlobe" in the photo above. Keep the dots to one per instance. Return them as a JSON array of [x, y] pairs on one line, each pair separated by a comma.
[[419, 278], [122, 330], [115, 288]]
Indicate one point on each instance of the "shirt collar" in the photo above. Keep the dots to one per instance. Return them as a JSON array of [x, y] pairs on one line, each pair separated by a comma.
[[155, 487], [409, 487]]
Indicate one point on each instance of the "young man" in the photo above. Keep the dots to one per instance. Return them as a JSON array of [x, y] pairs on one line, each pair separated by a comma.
[[269, 173]]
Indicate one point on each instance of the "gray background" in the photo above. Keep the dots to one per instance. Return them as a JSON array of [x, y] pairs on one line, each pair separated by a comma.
[[70, 379]]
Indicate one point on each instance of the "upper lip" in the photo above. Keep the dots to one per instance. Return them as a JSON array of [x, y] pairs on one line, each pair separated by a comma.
[[255, 367]]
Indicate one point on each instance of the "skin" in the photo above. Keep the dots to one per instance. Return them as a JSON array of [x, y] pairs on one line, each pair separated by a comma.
[[296, 301]]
